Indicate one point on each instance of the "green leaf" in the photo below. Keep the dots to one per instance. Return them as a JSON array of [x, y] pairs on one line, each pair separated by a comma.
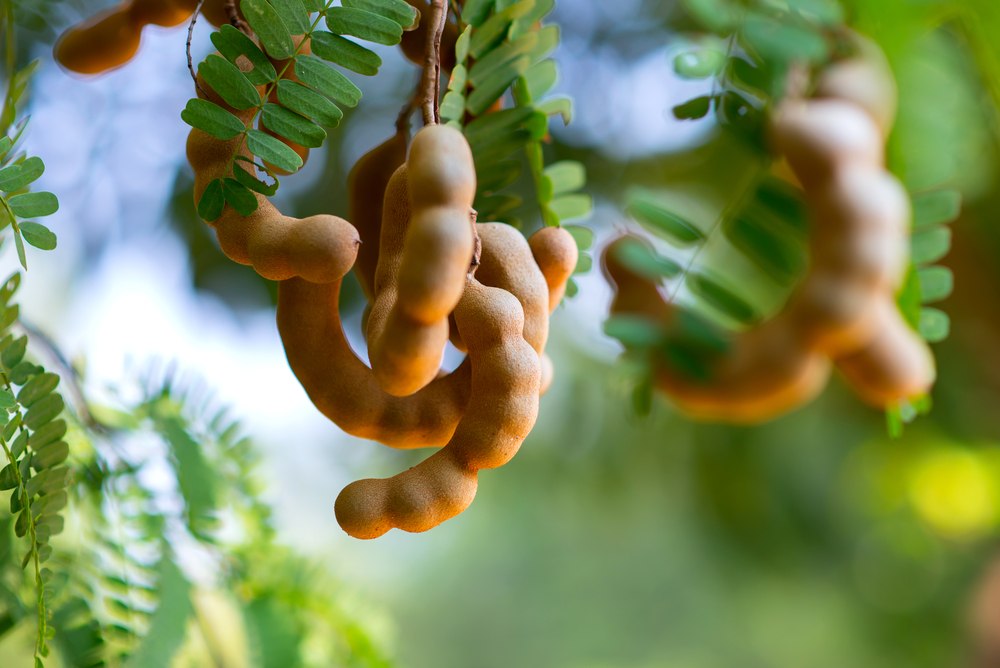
[[344, 52], [566, 176], [491, 127], [583, 236], [309, 103], [293, 14], [322, 78], [38, 235], [781, 257], [645, 261], [49, 433], [474, 12], [540, 78], [699, 63], [930, 245], [43, 411], [936, 284], [292, 126], [571, 207], [21, 175], [233, 44], [462, 45], [782, 41], [693, 109], [33, 205], [634, 331], [8, 479], [563, 106], [936, 208], [212, 201], [270, 29], [37, 388], [365, 25], [252, 182], [584, 263], [935, 325], [168, 626], [228, 81], [501, 57], [721, 298], [14, 352], [213, 119], [494, 85], [273, 151], [662, 222], [453, 106], [49, 480], [493, 29], [398, 11], [239, 197], [51, 455]]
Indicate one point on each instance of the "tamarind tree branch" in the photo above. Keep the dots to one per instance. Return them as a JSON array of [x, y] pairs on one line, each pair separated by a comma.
[[187, 46], [431, 82]]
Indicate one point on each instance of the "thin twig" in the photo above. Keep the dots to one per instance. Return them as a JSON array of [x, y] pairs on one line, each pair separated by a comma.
[[235, 19], [431, 82], [190, 37]]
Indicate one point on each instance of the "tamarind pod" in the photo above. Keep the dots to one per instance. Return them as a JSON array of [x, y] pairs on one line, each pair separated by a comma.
[[548, 374], [215, 11], [166, 13], [556, 253], [108, 40], [633, 294], [864, 79], [441, 169], [817, 137], [896, 364], [503, 407], [344, 389], [414, 42], [833, 312], [366, 185], [318, 248], [861, 224]]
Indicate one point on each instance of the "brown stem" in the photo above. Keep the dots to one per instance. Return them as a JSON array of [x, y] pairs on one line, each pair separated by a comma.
[[235, 19], [187, 48], [431, 82]]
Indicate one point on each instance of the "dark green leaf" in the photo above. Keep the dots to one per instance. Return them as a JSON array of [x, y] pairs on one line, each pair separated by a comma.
[[21, 175], [239, 197], [273, 151], [49, 433], [213, 119], [292, 126], [322, 78], [33, 205], [634, 331], [8, 477], [722, 298], [362, 24], [14, 352], [474, 12], [252, 182], [293, 14], [780, 257], [398, 11], [212, 201], [655, 218], [344, 52], [272, 31], [38, 235], [644, 261], [228, 81], [233, 44], [309, 103], [44, 410], [21, 372], [693, 109], [50, 455]]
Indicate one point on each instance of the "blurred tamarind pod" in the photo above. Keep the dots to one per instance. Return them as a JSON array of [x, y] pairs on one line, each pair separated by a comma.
[[503, 407], [286, 68], [111, 38], [414, 42], [865, 79], [319, 248], [556, 253], [417, 287], [366, 185]]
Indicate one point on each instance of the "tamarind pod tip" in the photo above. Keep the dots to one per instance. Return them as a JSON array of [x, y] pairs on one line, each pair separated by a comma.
[[556, 253], [105, 42], [441, 169]]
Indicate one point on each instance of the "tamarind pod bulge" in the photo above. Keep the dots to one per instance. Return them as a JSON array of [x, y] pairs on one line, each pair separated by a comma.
[[861, 221], [414, 42], [441, 169], [896, 364], [344, 389], [833, 312], [215, 12], [503, 407], [818, 137], [107, 41], [556, 253], [366, 185], [866, 80], [634, 294]]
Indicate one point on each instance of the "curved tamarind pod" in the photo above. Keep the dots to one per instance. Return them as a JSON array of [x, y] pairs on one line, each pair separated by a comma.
[[503, 407], [408, 325], [557, 254], [414, 42], [864, 79], [634, 294], [896, 364], [318, 248], [366, 185], [818, 137]]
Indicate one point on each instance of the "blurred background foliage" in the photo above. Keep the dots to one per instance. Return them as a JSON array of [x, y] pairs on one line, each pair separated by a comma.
[[613, 540]]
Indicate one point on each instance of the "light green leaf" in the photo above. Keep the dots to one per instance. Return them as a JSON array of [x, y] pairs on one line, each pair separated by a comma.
[[493, 86], [935, 325], [563, 106], [571, 207], [699, 63], [936, 284], [583, 236], [363, 24], [38, 235], [566, 176], [169, 623], [33, 205], [541, 78], [936, 208], [21, 175], [930, 245]]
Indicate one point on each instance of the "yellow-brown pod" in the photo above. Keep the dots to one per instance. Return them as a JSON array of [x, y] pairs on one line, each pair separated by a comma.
[[417, 287], [106, 41], [366, 185], [864, 79], [414, 42], [166, 13], [556, 253], [503, 407]]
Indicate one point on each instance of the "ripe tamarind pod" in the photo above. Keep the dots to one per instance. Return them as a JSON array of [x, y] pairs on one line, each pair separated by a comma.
[[896, 364], [420, 286], [366, 185], [864, 79], [503, 407], [318, 248], [414, 42], [634, 294], [556, 253], [818, 137]]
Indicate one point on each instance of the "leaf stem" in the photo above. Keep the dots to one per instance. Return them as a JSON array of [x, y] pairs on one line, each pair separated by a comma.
[[431, 82]]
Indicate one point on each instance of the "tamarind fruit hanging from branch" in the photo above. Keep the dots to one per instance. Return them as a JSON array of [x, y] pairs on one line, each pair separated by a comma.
[[111, 38]]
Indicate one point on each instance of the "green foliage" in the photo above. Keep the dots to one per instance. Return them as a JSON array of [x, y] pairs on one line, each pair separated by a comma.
[[250, 76], [504, 49]]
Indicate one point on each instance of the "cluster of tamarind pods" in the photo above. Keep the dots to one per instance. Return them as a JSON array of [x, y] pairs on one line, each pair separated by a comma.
[[844, 311]]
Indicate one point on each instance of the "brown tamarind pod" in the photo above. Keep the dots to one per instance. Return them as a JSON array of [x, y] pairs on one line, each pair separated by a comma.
[[166, 13], [864, 79], [318, 248], [418, 287], [503, 407], [818, 137], [215, 11], [634, 294], [896, 364], [106, 41], [556, 253], [366, 185], [414, 42]]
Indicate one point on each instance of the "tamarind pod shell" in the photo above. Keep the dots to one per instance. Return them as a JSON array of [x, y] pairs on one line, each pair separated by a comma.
[[834, 313], [865, 80], [344, 389], [105, 42], [165, 13], [215, 12], [817, 137], [556, 253], [896, 364], [861, 222], [366, 184], [414, 42], [548, 374], [634, 294], [441, 169], [503, 407]]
